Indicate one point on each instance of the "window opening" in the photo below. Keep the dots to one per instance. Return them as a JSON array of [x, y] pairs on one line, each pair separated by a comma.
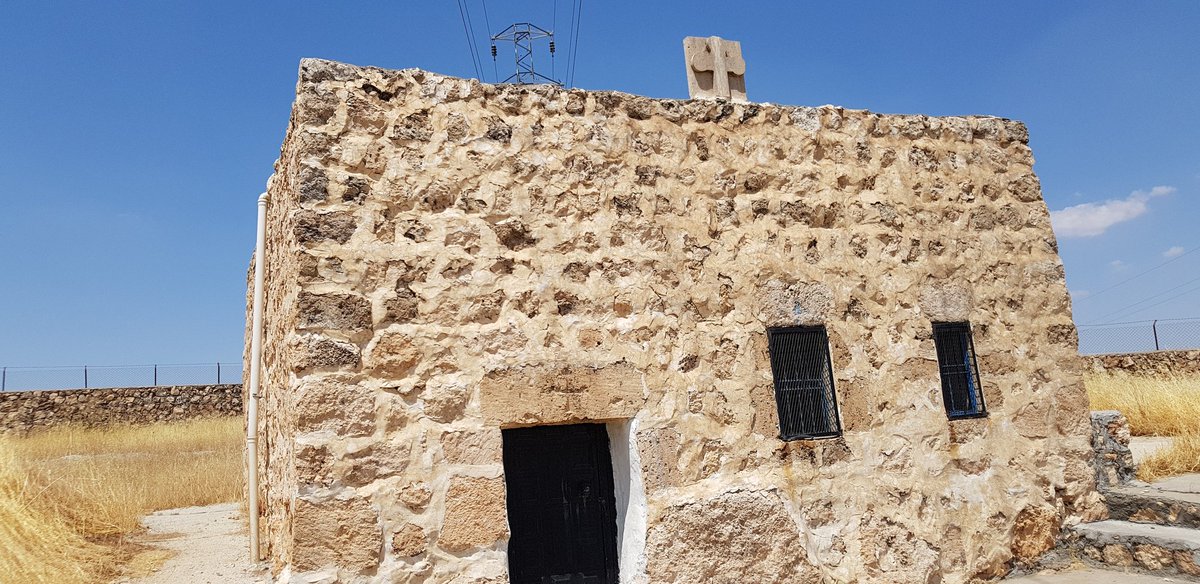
[[961, 391], [803, 376]]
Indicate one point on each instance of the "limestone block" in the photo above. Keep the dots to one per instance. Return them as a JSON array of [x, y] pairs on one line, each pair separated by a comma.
[[342, 533], [659, 450], [739, 536], [1186, 562], [415, 496], [1035, 532], [314, 227], [947, 302], [472, 447], [1117, 555], [548, 395], [445, 402], [1152, 557], [372, 462], [409, 541], [324, 403], [392, 355], [312, 351], [802, 303], [335, 311], [475, 514]]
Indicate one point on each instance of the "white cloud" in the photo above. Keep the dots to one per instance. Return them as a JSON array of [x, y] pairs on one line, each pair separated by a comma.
[[1117, 265], [1080, 294], [1092, 219], [1174, 252]]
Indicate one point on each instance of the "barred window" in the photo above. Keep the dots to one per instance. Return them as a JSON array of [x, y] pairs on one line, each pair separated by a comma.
[[803, 374], [961, 392]]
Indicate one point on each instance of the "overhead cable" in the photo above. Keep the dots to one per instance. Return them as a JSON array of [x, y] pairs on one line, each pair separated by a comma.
[[470, 42], [1144, 272]]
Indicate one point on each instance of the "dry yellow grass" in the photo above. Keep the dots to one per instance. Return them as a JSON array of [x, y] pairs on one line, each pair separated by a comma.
[[1155, 406], [1182, 457], [69, 496]]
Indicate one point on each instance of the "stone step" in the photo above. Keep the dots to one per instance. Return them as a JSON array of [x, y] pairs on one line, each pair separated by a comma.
[[1152, 504], [1166, 550]]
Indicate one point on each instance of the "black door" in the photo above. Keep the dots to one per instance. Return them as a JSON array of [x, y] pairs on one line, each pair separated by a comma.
[[561, 508]]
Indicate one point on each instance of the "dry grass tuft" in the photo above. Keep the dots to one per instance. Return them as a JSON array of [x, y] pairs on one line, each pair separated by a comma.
[[1155, 406], [40, 546], [69, 496], [1182, 457]]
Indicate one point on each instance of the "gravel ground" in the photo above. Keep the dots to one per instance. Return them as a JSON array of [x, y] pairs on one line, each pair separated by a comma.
[[1089, 576], [209, 545]]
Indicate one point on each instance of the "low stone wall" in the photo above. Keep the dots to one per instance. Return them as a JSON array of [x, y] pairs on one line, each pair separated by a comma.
[[23, 411], [1156, 362]]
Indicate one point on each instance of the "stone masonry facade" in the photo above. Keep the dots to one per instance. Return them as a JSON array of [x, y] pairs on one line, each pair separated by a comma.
[[25, 411], [447, 258]]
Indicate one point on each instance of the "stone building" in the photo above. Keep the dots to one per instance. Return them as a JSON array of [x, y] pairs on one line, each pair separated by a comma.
[[525, 332]]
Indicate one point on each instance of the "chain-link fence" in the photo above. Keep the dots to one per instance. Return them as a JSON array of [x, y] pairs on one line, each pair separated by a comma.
[[1139, 337], [93, 376]]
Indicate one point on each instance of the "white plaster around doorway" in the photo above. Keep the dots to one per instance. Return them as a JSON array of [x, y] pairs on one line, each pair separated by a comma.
[[631, 500]]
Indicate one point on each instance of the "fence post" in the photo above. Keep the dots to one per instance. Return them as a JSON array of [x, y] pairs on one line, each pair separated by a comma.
[[85, 376], [4, 379], [1154, 327], [218, 373], [156, 375]]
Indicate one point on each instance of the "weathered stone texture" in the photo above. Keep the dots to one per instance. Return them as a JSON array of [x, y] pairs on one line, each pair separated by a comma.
[[475, 514], [463, 257], [1110, 441], [756, 539], [343, 533], [24, 411]]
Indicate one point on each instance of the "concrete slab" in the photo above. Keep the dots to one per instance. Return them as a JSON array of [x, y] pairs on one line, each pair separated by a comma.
[[1165, 536], [1188, 484], [1144, 447], [1090, 576]]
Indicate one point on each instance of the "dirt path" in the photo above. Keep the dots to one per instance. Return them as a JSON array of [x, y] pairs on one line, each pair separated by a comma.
[[208, 546]]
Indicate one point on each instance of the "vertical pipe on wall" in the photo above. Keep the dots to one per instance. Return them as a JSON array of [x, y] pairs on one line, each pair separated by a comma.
[[255, 365]]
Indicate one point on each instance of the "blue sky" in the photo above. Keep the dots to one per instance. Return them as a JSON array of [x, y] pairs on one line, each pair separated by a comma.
[[136, 136]]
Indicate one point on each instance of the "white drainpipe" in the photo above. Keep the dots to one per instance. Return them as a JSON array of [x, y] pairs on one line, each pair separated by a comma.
[[255, 365]]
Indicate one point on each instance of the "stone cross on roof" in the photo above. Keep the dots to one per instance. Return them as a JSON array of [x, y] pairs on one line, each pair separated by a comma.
[[715, 68]]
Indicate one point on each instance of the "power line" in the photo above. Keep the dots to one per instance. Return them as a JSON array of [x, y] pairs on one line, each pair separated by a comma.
[[575, 47], [1165, 300], [1149, 298], [488, 23], [474, 47], [1144, 272], [470, 42], [571, 41]]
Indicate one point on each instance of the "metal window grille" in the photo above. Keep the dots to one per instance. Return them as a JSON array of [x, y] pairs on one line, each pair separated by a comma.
[[961, 391], [803, 374]]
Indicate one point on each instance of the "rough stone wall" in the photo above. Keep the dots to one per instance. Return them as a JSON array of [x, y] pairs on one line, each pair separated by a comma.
[[24, 411], [1110, 439], [447, 258], [1153, 363]]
